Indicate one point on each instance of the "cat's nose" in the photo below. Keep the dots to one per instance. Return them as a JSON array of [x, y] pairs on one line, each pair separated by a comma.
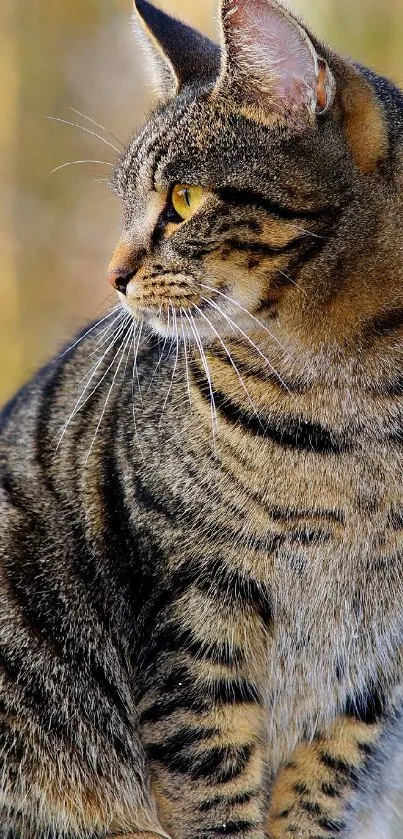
[[124, 265], [120, 279]]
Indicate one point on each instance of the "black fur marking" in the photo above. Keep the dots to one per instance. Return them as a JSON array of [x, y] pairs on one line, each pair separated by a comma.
[[182, 740], [345, 771], [385, 324], [229, 828], [302, 789], [231, 691], [288, 432], [15, 496], [311, 807], [331, 825], [219, 764], [228, 802], [163, 708], [237, 590], [287, 514], [331, 790], [310, 537], [248, 198], [395, 519], [367, 749], [368, 707], [174, 637], [261, 249]]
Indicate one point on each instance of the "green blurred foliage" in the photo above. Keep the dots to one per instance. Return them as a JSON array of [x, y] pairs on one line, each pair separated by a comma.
[[57, 230]]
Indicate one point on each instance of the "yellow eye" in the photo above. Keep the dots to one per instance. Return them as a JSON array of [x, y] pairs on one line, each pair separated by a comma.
[[186, 199]]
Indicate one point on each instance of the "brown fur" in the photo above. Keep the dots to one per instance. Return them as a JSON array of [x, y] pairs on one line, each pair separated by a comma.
[[201, 582]]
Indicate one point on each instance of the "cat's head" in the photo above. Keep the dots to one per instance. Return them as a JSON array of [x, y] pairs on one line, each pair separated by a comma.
[[255, 193]]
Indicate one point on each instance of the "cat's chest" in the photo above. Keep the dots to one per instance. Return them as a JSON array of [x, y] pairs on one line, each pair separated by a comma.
[[319, 537]]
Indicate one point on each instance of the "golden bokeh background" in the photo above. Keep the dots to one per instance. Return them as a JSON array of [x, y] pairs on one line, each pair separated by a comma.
[[57, 230]]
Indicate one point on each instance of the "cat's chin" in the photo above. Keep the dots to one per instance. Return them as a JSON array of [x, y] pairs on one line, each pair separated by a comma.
[[178, 326], [182, 323]]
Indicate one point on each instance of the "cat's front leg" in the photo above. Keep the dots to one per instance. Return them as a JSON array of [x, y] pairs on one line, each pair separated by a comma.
[[324, 788], [208, 767], [203, 727]]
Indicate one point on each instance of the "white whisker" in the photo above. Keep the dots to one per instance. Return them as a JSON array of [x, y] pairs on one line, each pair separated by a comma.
[[158, 363], [131, 344], [136, 343], [76, 162], [175, 325], [115, 326], [226, 350], [242, 308], [291, 280], [115, 308], [97, 124], [135, 355], [307, 232], [193, 327], [186, 359], [80, 404], [125, 340], [103, 335], [87, 131], [247, 338]]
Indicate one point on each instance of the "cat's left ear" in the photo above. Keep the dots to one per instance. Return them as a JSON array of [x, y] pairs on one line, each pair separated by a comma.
[[177, 54], [270, 63]]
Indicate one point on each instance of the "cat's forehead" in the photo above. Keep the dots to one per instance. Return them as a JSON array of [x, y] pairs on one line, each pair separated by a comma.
[[193, 140]]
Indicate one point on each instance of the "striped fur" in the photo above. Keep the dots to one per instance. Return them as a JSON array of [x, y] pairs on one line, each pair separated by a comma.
[[201, 600]]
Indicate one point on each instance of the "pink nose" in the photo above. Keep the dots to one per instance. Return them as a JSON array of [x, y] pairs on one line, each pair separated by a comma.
[[124, 265]]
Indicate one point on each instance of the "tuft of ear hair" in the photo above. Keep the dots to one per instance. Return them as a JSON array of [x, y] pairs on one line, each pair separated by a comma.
[[178, 54], [269, 62]]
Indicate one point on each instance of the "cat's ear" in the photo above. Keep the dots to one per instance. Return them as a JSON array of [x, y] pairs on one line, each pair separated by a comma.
[[178, 54], [270, 63]]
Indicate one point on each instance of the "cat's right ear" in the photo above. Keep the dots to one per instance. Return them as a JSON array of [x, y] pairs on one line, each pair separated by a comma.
[[177, 55], [270, 64]]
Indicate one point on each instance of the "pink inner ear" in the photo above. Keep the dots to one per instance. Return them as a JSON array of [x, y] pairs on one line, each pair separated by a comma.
[[266, 43]]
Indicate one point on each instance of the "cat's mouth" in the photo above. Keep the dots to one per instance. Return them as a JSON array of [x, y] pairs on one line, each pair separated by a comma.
[[213, 315], [175, 305], [191, 321]]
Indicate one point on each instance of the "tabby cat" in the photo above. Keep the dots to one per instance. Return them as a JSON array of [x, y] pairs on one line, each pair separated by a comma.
[[201, 559]]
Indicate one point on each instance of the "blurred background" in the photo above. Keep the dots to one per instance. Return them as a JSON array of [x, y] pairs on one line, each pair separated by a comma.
[[57, 231]]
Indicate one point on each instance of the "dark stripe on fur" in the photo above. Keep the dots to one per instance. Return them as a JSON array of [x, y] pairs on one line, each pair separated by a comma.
[[163, 708], [287, 514], [228, 828], [173, 637], [249, 198], [219, 764], [288, 432], [367, 707], [228, 802], [342, 770], [385, 324], [331, 825], [262, 249], [236, 590], [247, 370]]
